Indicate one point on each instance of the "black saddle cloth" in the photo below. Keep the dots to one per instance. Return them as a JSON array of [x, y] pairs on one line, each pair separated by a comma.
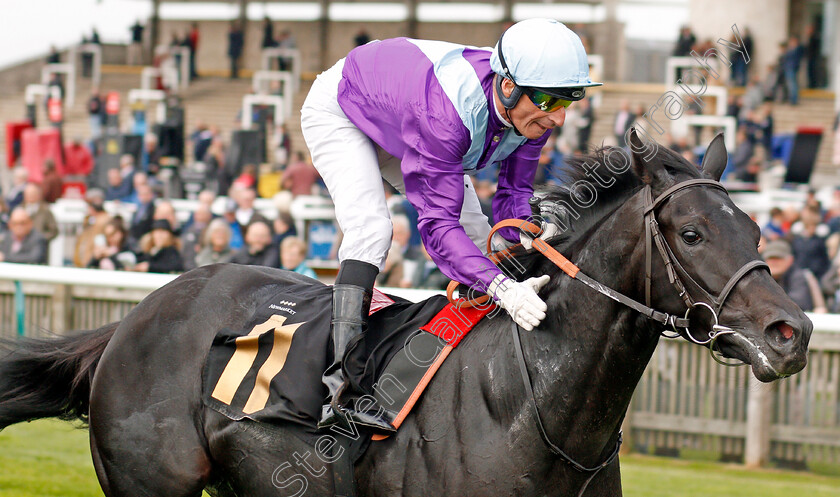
[[269, 369]]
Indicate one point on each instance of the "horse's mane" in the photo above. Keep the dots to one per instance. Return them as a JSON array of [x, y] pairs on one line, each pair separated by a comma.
[[611, 191]]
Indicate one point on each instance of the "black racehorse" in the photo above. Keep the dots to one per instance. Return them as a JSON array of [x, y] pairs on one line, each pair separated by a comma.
[[474, 432]]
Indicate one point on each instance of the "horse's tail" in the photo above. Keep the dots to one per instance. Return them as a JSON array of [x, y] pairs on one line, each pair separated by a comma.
[[46, 378]]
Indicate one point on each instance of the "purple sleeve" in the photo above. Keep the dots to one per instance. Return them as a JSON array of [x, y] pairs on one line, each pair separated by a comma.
[[516, 184], [436, 189]]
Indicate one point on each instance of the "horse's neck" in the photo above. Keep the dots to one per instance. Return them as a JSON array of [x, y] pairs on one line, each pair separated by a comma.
[[585, 369]]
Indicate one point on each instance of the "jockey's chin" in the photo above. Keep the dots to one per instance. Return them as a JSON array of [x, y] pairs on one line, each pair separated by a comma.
[[535, 129]]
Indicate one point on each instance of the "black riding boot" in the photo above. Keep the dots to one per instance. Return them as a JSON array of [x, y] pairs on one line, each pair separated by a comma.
[[351, 306]]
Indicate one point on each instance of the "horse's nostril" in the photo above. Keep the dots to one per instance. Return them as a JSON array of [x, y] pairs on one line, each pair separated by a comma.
[[780, 333], [786, 330]]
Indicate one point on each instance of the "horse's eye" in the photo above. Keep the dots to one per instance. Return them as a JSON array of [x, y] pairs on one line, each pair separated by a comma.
[[691, 237]]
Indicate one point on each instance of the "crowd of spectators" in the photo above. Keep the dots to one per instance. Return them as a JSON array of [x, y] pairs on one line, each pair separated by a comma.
[[782, 80], [139, 230], [146, 234], [801, 247]]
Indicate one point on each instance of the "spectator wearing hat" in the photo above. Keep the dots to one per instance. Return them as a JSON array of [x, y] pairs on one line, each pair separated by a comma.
[[259, 248], [22, 243], [160, 252], [799, 284], [165, 210]]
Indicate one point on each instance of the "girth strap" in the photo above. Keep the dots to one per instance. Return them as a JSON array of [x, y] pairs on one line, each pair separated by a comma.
[[529, 390], [342, 467]]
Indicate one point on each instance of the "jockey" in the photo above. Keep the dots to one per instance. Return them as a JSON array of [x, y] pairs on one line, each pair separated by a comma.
[[422, 115]]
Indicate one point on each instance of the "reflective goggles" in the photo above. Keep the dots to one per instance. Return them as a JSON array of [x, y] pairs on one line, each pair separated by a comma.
[[544, 101]]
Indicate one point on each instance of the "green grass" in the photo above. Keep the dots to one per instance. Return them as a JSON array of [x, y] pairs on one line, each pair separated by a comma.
[[52, 459], [646, 476], [45, 459]]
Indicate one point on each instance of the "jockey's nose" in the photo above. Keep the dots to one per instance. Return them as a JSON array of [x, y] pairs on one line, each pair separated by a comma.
[[558, 117]]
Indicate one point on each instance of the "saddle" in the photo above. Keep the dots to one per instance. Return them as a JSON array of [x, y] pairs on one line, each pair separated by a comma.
[[269, 369]]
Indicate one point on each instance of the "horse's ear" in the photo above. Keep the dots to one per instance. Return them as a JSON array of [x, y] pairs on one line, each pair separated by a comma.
[[649, 168], [715, 159]]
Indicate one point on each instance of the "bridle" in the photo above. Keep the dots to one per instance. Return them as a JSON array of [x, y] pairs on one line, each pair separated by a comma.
[[677, 275]]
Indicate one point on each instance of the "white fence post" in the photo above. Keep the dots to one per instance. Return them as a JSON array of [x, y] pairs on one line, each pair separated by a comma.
[[759, 405]]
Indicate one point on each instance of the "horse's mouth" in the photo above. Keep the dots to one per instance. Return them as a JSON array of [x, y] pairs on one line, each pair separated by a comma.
[[774, 355]]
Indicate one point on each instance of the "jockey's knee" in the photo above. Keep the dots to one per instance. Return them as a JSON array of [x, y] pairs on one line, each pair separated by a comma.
[[369, 242]]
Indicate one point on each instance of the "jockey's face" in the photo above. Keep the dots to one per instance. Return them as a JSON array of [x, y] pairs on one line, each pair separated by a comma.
[[527, 118]]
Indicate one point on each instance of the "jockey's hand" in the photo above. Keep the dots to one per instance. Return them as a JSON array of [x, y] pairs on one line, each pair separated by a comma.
[[520, 300], [549, 230]]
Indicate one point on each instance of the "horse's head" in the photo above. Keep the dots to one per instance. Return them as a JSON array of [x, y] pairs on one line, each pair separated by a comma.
[[713, 244]]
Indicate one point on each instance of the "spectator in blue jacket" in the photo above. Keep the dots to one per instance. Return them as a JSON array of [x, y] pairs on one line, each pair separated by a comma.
[[792, 61]]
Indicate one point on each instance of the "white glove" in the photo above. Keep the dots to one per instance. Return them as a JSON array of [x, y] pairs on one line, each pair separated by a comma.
[[520, 300], [549, 230]]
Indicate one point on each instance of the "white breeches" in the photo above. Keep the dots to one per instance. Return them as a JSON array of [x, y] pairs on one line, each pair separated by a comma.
[[353, 167]]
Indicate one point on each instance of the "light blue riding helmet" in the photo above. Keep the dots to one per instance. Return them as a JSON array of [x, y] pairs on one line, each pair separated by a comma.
[[543, 54]]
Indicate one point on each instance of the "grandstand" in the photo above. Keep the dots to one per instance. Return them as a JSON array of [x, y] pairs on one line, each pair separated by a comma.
[[218, 100], [215, 100]]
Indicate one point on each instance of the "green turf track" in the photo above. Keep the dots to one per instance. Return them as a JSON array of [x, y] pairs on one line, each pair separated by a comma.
[[51, 459]]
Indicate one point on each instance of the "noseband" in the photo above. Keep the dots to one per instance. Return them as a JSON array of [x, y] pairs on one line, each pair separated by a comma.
[[677, 274]]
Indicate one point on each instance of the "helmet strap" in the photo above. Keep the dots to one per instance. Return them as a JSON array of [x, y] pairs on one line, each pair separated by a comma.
[[515, 95], [509, 102], [507, 115]]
